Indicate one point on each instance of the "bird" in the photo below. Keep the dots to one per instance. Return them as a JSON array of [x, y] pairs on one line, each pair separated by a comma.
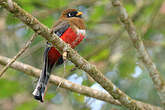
[[71, 29]]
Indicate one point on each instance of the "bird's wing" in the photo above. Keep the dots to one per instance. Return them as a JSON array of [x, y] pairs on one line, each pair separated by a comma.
[[60, 27]]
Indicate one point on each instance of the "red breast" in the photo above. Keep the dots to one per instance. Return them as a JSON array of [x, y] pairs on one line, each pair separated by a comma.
[[72, 35]]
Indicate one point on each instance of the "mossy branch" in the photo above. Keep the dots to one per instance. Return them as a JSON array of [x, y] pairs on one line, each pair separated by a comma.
[[141, 50], [79, 61], [84, 90]]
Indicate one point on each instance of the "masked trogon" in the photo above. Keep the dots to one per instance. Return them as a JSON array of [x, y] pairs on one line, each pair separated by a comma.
[[71, 29]]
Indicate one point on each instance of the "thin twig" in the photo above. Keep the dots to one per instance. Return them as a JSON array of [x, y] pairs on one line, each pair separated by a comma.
[[18, 55], [65, 59], [62, 75]]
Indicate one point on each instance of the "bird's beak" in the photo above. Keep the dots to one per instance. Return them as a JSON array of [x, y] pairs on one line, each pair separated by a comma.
[[79, 13]]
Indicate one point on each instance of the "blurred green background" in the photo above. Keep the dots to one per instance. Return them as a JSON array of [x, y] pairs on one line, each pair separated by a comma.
[[106, 45]]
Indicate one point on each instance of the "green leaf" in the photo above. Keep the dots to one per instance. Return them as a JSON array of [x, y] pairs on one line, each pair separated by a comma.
[[29, 105], [97, 13], [78, 97], [11, 19], [130, 8], [57, 3], [48, 21], [101, 56], [9, 88], [127, 66], [49, 96], [12, 72], [63, 3], [87, 83], [28, 7]]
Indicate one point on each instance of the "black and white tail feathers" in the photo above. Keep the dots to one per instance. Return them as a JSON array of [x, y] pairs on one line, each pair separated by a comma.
[[39, 91], [43, 80]]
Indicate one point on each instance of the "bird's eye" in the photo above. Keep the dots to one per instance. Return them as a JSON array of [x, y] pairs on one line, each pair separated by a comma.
[[74, 14], [69, 14]]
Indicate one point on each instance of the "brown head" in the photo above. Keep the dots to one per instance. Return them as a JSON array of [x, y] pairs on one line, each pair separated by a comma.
[[74, 17], [69, 13]]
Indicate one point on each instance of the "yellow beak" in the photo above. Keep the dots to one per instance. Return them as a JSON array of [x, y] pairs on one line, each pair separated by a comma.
[[79, 13]]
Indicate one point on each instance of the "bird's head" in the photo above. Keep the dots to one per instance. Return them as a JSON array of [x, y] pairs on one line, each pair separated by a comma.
[[74, 17], [70, 13]]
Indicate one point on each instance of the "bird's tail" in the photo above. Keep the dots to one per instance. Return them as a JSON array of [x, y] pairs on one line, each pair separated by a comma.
[[41, 87]]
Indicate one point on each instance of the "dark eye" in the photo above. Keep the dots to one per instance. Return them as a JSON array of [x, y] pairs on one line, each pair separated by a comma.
[[72, 14]]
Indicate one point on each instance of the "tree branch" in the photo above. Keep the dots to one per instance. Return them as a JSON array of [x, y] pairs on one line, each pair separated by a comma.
[[87, 91], [61, 46], [142, 52], [32, 71], [18, 54]]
